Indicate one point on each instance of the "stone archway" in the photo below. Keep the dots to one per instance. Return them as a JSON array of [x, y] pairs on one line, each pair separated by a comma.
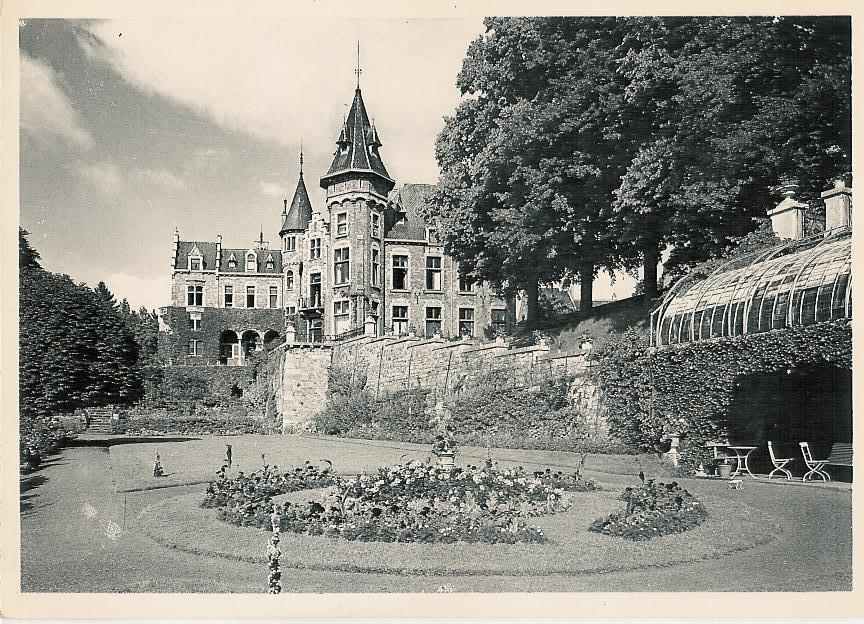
[[250, 341], [229, 348], [270, 335]]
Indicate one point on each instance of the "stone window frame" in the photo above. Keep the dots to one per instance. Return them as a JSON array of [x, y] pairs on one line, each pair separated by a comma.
[[254, 296], [472, 284], [341, 224], [375, 221], [344, 305], [290, 243], [439, 319], [194, 348], [342, 260], [470, 323], [194, 295], [195, 258], [430, 271], [273, 297], [400, 319], [195, 322], [289, 280], [315, 248], [500, 327], [375, 267], [226, 292], [407, 267]]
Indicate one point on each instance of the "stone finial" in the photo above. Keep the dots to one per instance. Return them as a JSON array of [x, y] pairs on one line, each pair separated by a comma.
[[290, 332]]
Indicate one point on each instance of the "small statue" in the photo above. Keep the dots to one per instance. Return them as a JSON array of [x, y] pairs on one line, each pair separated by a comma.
[[228, 454], [157, 467]]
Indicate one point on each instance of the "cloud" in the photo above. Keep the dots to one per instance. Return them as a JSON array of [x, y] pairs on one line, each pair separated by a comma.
[[272, 190], [284, 81], [139, 291], [46, 112], [105, 177], [161, 178]]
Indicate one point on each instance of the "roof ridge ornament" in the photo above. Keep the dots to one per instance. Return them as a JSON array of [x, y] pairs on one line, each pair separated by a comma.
[[358, 71]]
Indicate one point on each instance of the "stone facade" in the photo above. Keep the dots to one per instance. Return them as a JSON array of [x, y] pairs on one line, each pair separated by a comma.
[[366, 257]]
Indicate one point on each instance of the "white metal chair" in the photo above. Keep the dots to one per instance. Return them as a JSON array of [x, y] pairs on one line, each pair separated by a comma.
[[815, 465], [779, 463]]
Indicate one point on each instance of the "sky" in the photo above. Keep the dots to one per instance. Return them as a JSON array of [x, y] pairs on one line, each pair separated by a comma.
[[132, 128]]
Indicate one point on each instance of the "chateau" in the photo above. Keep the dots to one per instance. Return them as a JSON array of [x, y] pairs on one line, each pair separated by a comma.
[[366, 263]]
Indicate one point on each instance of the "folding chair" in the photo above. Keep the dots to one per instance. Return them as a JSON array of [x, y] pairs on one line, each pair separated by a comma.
[[815, 465], [779, 463]]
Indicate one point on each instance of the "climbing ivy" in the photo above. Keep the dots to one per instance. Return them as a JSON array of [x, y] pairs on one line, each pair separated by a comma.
[[688, 388]]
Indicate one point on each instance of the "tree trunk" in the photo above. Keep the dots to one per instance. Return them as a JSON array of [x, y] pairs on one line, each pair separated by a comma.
[[650, 258], [532, 294], [586, 287]]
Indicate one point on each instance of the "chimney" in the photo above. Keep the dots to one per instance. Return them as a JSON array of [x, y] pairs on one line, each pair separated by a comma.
[[176, 248], [838, 206], [787, 217]]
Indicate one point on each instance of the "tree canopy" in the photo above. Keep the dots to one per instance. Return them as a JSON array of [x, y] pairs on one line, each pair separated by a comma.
[[586, 144], [76, 348]]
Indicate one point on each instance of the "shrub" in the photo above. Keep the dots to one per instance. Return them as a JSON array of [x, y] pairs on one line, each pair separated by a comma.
[[200, 421], [653, 509]]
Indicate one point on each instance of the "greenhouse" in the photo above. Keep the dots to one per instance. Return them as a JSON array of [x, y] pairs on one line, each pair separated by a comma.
[[800, 282]]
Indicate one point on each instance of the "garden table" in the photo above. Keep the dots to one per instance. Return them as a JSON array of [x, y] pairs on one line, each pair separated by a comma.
[[742, 453]]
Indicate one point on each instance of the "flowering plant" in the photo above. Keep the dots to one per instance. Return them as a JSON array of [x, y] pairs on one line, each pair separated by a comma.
[[653, 509], [415, 502], [441, 422]]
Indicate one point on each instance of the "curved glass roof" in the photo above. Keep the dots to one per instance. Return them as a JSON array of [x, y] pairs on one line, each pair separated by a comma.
[[797, 283]]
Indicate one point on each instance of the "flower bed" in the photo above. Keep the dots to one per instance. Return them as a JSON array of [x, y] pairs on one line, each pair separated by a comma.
[[415, 502], [652, 510]]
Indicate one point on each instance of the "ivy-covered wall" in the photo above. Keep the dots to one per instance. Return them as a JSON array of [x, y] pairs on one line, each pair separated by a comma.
[[688, 388]]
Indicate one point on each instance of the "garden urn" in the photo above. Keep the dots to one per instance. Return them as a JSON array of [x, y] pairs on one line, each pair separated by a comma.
[[446, 459], [724, 469]]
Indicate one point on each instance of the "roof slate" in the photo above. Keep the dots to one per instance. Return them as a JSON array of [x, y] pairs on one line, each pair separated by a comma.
[[208, 254], [358, 144], [300, 213], [410, 198]]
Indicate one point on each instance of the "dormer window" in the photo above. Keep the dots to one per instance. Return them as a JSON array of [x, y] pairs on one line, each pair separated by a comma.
[[269, 262], [232, 262], [251, 262], [195, 259], [401, 218], [432, 235]]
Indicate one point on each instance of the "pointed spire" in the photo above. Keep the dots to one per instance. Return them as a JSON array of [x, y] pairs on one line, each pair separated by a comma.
[[355, 140], [300, 213], [284, 206]]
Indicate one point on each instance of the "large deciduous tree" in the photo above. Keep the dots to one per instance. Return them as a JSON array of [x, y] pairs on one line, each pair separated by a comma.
[[591, 143]]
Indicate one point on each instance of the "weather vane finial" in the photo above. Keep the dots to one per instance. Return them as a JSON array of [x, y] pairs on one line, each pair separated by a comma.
[[301, 158], [358, 71]]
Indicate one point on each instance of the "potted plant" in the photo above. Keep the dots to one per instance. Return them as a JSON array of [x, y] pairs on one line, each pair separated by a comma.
[[586, 341], [724, 467]]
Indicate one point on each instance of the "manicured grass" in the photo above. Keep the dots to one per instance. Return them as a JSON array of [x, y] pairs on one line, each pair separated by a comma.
[[197, 460], [181, 524]]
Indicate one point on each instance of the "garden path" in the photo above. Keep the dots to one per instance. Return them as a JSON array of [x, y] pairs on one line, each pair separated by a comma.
[[73, 540]]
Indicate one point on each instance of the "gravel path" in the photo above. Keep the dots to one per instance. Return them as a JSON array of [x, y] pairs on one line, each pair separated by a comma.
[[78, 535]]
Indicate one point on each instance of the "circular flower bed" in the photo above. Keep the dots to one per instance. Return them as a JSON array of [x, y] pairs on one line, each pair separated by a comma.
[[415, 502], [653, 509]]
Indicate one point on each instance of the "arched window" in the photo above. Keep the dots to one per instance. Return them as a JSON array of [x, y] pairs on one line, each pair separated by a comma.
[[289, 280], [251, 262]]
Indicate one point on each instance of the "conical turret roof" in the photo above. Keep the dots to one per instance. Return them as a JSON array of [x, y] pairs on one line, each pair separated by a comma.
[[299, 214], [358, 145]]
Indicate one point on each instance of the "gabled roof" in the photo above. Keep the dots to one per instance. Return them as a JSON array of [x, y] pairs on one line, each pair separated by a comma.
[[300, 213], [208, 255], [409, 200], [357, 145]]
